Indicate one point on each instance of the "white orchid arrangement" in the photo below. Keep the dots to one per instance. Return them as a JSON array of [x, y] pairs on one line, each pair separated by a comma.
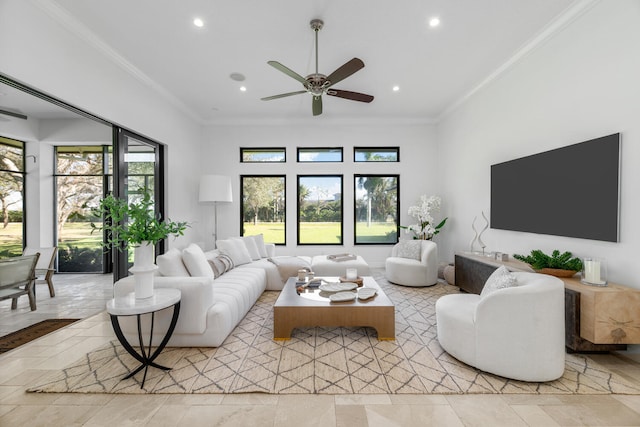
[[423, 213]]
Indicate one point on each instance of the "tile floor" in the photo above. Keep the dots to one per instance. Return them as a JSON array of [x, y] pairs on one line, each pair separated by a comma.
[[84, 296]]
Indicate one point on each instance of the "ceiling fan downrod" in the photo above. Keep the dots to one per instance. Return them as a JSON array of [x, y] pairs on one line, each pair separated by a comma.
[[316, 25]]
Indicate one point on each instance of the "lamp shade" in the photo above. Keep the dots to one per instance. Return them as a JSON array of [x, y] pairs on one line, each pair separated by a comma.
[[215, 188]]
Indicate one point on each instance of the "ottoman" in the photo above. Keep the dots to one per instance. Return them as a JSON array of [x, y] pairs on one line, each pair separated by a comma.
[[325, 267]]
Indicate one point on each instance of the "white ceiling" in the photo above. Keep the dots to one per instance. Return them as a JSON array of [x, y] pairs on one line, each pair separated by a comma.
[[434, 67]]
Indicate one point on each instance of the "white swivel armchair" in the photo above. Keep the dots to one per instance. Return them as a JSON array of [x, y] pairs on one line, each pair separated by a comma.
[[413, 263], [515, 332]]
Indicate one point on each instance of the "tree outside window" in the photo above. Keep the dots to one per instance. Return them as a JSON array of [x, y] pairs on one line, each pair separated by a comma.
[[263, 207], [80, 182], [11, 197], [376, 209]]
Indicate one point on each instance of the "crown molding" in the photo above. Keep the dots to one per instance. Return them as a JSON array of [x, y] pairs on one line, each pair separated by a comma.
[[558, 24], [311, 121], [64, 18]]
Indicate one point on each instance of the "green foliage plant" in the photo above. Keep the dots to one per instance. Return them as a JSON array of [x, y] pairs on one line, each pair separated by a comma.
[[135, 222], [539, 260]]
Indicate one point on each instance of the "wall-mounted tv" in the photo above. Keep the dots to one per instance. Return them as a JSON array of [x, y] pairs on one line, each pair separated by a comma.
[[571, 191]]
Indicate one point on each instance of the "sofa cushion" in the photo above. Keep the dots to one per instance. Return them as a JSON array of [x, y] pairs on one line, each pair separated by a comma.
[[236, 249], [262, 249], [220, 265], [499, 279], [196, 261], [170, 264], [252, 248], [409, 249]]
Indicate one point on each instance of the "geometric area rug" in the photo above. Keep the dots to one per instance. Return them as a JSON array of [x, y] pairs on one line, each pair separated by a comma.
[[323, 360]]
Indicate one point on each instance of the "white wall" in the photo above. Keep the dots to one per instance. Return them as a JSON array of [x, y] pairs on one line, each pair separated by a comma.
[[417, 169], [37, 50], [582, 83]]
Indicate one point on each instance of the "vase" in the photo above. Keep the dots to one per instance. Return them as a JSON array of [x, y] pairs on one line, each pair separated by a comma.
[[143, 270]]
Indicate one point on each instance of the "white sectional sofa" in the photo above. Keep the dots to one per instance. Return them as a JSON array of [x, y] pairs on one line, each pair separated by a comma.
[[215, 297]]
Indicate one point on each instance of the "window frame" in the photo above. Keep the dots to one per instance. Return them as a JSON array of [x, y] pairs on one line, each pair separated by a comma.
[[355, 208], [298, 177], [264, 149], [284, 208], [395, 149], [21, 145], [319, 150]]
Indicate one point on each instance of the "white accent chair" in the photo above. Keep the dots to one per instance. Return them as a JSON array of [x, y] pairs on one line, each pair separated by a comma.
[[413, 272], [515, 332]]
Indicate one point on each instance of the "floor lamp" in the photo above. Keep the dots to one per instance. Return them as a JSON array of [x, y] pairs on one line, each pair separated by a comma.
[[216, 189]]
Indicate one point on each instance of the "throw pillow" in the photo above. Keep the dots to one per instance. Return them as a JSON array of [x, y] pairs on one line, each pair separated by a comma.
[[170, 264], [409, 249], [236, 249], [262, 249], [250, 243], [220, 265], [196, 262], [499, 279]]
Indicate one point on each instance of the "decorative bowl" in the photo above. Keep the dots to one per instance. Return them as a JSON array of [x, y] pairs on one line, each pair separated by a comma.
[[557, 272]]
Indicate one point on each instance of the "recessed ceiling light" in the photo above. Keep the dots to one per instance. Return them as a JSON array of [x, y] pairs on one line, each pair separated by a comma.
[[434, 22], [396, 88], [237, 77], [243, 89], [198, 22]]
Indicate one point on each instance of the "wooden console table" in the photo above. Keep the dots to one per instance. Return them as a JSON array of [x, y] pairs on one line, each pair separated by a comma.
[[596, 318]]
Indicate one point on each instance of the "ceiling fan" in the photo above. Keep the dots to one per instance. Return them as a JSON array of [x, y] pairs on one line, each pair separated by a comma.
[[318, 84]]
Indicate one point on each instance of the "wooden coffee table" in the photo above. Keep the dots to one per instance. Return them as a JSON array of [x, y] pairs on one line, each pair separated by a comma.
[[310, 309]]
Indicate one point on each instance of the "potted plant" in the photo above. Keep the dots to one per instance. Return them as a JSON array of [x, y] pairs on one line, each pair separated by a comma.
[[138, 225], [422, 212], [556, 264]]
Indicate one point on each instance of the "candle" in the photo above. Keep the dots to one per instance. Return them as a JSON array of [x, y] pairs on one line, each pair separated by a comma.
[[352, 273], [592, 271]]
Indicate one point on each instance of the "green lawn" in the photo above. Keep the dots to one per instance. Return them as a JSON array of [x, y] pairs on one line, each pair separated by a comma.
[[323, 232], [378, 232]]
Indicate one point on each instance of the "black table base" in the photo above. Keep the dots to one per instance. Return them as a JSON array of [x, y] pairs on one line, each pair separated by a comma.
[[144, 356]]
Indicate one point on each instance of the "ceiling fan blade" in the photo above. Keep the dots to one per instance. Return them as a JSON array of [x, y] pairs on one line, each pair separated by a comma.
[[288, 71], [282, 95], [316, 105], [353, 96], [345, 71]]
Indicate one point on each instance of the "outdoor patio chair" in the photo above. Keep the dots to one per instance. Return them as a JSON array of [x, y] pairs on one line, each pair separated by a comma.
[[45, 267], [17, 277]]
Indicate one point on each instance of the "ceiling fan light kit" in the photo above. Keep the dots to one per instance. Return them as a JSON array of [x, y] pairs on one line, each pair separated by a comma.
[[318, 84]]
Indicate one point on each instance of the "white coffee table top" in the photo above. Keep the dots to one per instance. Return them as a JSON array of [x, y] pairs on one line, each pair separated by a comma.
[[128, 305]]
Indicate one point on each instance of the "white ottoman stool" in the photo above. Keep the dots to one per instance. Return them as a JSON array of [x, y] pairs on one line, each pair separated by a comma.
[[325, 267]]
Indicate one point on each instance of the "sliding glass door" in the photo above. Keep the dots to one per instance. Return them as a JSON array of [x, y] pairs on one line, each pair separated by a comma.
[[138, 160]]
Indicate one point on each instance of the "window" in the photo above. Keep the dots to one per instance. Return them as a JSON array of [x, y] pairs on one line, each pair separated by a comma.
[[12, 176], [319, 209], [376, 209], [263, 155], [376, 154], [320, 154], [81, 176], [263, 209]]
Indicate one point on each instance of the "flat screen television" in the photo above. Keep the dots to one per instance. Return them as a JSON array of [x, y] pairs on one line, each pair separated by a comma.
[[571, 191]]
